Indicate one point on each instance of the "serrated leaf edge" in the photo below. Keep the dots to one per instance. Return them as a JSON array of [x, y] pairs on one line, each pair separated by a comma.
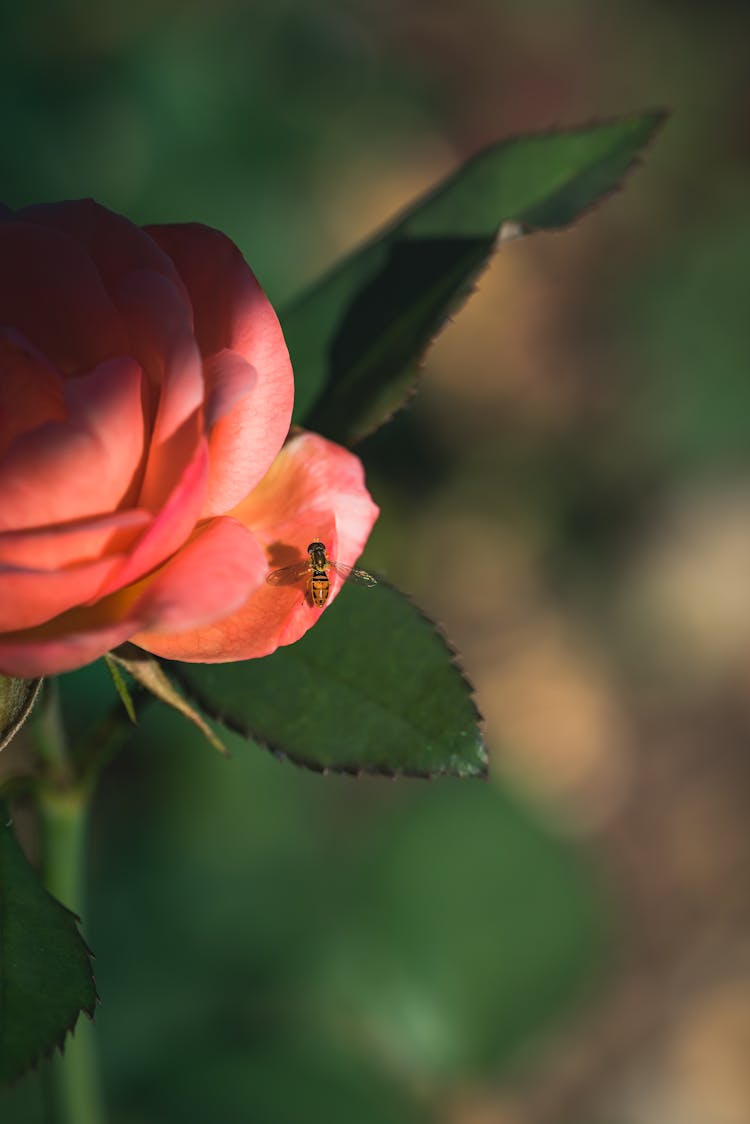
[[659, 114], [58, 1043], [13, 729], [513, 228], [282, 754]]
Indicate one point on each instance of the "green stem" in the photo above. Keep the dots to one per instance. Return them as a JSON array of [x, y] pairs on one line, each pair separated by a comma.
[[74, 1085]]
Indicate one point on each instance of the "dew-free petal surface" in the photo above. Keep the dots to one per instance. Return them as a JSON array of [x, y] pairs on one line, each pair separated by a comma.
[[69, 470], [315, 489], [232, 313], [31, 390], [66, 544], [173, 524], [176, 595], [51, 291]]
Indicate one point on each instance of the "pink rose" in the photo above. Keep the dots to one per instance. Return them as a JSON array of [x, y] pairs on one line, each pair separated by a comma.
[[145, 397]]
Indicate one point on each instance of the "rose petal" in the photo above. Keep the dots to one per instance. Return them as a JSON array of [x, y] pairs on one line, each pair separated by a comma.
[[52, 293], [65, 544], [315, 489], [31, 390], [115, 244], [212, 575], [159, 318], [31, 654], [148, 292], [161, 327], [230, 381], [69, 470], [176, 520], [177, 594], [32, 596], [232, 313]]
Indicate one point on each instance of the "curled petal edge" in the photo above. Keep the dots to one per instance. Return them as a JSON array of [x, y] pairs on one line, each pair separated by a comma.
[[175, 596]]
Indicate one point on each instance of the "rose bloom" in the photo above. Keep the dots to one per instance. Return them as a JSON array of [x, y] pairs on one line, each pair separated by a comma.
[[147, 489]]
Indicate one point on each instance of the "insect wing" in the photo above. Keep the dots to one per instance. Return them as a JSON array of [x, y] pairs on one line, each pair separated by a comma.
[[289, 575], [361, 577]]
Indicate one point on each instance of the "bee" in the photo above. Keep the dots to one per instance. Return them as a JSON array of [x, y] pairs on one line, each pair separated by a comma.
[[315, 571]]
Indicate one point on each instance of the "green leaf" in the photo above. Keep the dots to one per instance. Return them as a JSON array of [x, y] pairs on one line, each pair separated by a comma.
[[17, 697], [372, 688], [122, 688], [148, 673], [45, 967], [356, 336]]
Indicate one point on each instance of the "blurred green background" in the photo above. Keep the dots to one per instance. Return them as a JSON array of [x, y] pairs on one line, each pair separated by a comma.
[[568, 943]]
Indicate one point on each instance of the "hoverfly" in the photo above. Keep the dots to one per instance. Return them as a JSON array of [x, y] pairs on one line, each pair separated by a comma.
[[315, 571]]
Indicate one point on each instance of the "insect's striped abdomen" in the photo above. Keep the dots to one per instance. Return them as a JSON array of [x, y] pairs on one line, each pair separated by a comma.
[[318, 588]]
